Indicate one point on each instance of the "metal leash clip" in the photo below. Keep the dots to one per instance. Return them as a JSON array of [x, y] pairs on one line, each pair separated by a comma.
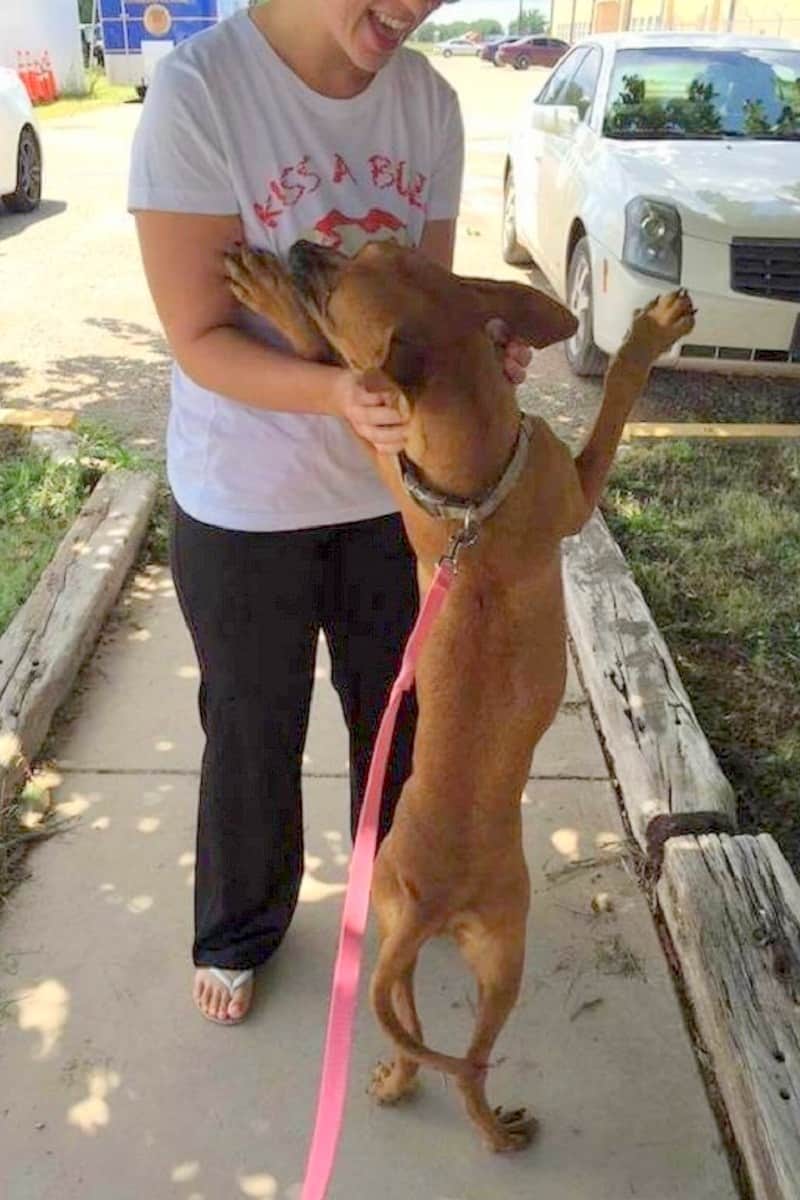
[[466, 536]]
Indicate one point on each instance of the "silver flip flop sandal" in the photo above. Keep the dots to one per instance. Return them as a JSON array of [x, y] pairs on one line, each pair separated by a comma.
[[231, 981]]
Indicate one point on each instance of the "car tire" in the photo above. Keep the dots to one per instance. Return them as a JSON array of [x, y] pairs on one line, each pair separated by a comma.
[[583, 356], [513, 253], [28, 192], [447, 54], [522, 63]]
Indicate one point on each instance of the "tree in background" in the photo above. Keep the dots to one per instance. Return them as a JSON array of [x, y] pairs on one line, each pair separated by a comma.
[[531, 21]]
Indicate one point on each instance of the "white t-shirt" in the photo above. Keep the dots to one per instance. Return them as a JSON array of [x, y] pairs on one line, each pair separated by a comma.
[[228, 128]]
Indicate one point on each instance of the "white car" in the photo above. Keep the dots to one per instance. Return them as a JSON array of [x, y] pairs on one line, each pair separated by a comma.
[[658, 161], [20, 146], [459, 45]]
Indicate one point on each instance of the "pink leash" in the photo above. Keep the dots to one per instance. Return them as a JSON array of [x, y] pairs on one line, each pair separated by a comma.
[[339, 1038]]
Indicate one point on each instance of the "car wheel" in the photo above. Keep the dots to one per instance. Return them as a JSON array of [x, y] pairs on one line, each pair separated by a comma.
[[523, 62], [513, 253], [28, 192], [447, 54], [582, 354]]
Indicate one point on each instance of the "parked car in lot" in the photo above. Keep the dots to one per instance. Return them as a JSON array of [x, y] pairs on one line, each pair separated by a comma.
[[655, 161], [488, 49], [535, 51], [20, 146], [459, 45]]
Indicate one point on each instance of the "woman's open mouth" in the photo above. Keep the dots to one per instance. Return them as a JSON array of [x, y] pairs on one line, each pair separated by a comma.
[[388, 31]]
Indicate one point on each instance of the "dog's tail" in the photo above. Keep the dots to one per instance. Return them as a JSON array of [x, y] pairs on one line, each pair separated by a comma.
[[389, 972]]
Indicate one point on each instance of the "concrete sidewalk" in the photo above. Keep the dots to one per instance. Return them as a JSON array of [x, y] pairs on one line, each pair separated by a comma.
[[112, 1087]]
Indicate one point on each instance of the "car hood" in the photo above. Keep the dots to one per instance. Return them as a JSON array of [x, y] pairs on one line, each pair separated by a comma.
[[721, 189]]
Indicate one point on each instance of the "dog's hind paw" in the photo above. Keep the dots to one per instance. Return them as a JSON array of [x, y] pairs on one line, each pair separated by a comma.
[[393, 1082], [513, 1130]]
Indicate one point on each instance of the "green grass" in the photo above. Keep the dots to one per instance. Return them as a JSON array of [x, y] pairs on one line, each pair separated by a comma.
[[38, 501], [101, 94], [712, 534]]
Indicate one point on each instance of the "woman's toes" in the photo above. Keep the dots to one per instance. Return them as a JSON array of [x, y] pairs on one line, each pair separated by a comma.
[[241, 1001], [220, 1004], [215, 1000]]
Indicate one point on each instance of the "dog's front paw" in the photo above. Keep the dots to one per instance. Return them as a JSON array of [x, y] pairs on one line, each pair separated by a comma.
[[658, 327], [260, 282]]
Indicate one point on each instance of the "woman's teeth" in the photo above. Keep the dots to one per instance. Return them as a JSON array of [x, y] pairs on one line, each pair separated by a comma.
[[392, 26]]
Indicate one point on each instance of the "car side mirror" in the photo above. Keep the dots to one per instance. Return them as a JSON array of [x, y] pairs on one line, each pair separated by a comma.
[[560, 119]]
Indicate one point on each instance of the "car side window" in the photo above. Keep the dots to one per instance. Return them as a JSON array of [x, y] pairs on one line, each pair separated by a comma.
[[580, 89], [556, 85]]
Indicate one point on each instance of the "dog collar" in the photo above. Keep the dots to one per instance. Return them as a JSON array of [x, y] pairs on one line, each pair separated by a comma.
[[479, 508]]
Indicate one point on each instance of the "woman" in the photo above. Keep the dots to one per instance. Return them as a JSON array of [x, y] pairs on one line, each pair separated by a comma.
[[285, 121]]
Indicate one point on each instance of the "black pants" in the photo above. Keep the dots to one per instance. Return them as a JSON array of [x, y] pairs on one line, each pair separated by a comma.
[[254, 604]]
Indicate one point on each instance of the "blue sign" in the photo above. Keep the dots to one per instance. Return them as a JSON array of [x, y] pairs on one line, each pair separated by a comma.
[[127, 23]]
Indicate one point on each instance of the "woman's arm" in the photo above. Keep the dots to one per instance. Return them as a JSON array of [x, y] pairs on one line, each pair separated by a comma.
[[183, 262], [439, 242], [182, 256]]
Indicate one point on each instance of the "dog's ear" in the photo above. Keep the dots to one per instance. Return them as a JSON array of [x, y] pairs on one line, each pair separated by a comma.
[[529, 315]]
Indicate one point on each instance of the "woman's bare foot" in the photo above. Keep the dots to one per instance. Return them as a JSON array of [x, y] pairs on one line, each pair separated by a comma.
[[223, 995]]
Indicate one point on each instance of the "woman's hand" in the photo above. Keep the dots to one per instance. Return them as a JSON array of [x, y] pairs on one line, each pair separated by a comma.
[[377, 414], [516, 355], [516, 362]]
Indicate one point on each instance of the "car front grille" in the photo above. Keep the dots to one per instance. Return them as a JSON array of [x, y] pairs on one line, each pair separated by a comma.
[[766, 267], [739, 354]]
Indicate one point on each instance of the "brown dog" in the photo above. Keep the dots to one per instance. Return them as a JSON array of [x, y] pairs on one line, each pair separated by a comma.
[[492, 674]]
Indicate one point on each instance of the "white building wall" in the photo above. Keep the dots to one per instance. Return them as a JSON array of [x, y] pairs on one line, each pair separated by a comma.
[[39, 25]]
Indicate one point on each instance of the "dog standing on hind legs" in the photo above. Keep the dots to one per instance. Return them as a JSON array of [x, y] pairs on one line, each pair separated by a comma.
[[491, 676]]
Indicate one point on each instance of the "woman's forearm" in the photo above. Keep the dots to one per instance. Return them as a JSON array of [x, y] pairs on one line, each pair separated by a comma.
[[227, 360]]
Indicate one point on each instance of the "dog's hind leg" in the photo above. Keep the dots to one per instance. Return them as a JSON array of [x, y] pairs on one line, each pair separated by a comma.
[[400, 946], [395, 1080], [497, 959]]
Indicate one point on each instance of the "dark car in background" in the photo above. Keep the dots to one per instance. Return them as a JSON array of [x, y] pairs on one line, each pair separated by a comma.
[[488, 51], [533, 51]]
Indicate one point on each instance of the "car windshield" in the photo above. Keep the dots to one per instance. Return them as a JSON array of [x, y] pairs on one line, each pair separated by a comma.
[[676, 92]]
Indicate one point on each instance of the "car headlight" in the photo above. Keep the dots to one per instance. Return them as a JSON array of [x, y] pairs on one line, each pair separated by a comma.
[[653, 239]]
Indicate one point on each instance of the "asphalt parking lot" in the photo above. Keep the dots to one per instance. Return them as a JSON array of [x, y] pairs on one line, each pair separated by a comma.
[[78, 329]]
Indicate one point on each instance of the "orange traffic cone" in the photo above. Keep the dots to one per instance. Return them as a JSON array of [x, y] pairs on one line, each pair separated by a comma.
[[48, 77], [36, 79], [25, 73]]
